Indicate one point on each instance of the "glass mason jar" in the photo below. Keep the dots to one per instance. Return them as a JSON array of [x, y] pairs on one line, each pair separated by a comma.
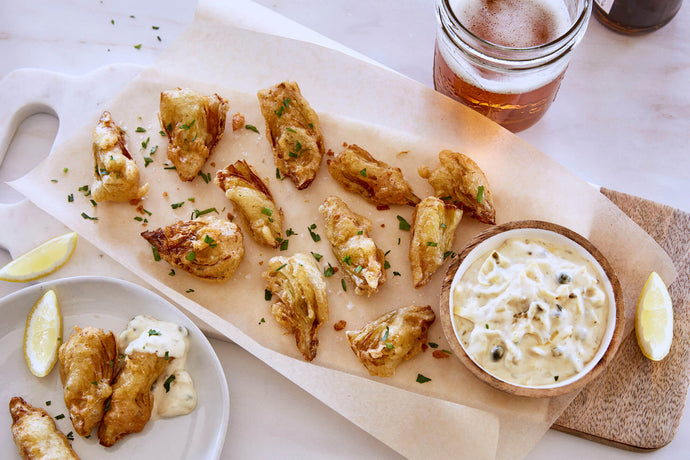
[[635, 17], [510, 79]]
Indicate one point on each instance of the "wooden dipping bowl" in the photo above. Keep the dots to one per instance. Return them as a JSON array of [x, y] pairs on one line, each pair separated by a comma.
[[492, 238]]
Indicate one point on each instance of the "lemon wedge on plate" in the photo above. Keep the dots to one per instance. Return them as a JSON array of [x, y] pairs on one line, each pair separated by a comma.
[[43, 335], [40, 261], [654, 319]]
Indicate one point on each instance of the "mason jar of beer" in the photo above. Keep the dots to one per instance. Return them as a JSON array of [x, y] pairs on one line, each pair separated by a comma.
[[506, 58], [635, 17]]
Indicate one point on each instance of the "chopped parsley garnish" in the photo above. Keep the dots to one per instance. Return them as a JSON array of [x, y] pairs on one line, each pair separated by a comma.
[[93, 203], [83, 188], [64, 170], [396, 274], [154, 149], [210, 241], [177, 205], [191, 255], [169, 127], [447, 254], [167, 355], [206, 177], [53, 181], [252, 128], [290, 129], [262, 320], [363, 172], [385, 334], [402, 223], [107, 405], [486, 325], [347, 259], [59, 416], [187, 126], [156, 255], [169, 167], [86, 216], [267, 211], [433, 345], [386, 265], [48, 403], [268, 295], [138, 219], [167, 382], [145, 143], [328, 271], [70, 198], [480, 194], [103, 172], [70, 436], [286, 102], [358, 268], [290, 232], [342, 283], [314, 236], [196, 213], [147, 161], [278, 175], [189, 291], [433, 244], [140, 129], [138, 47], [555, 378], [290, 154], [422, 379], [284, 244], [447, 198], [280, 268], [316, 256], [442, 225], [155, 27], [172, 272], [153, 332]]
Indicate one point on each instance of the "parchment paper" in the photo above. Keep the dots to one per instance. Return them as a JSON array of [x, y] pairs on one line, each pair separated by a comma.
[[454, 414]]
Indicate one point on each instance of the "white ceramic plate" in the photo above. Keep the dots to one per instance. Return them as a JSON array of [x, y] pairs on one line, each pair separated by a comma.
[[110, 304]]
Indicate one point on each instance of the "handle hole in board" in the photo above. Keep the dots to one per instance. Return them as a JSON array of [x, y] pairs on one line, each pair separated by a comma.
[[31, 143]]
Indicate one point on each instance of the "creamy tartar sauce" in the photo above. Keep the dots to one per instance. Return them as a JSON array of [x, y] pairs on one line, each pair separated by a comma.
[[173, 392], [531, 312]]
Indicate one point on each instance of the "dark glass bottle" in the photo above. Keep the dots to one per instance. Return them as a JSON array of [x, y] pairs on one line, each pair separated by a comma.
[[634, 17]]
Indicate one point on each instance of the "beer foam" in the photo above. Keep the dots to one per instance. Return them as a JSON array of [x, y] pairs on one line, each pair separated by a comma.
[[514, 23]]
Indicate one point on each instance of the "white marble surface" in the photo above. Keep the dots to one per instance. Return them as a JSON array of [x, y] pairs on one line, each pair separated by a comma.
[[621, 119]]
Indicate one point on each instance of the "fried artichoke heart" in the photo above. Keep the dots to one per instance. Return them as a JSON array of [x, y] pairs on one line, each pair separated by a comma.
[[460, 181], [194, 124], [36, 435], [381, 345], [132, 400], [357, 254], [87, 366], [356, 170], [433, 230], [208, 248], [294, 132], [116, 173], [302, 306], [253, 200]]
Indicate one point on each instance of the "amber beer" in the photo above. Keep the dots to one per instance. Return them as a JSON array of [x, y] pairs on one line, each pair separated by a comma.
[[506, 58]]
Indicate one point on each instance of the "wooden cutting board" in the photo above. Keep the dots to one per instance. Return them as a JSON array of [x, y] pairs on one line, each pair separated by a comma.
[[636, 404]]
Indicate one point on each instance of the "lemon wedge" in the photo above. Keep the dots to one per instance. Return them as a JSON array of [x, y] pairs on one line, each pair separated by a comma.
[[43, 335], [40, 261], [654, 319]]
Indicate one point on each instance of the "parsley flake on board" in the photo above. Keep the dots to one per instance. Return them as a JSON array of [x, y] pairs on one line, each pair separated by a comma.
[[172, 272], [147, 161], [328, 271], [316, 256], [140, 129], [156, 255], [252, 128], [402, 223], [153, 332], [86, 216], [189, 291], [268, 295], [177, 205], [70, 198], [342, 283], [59, 416], [433, 345], [314, 236], [422, 379], [137, 46]]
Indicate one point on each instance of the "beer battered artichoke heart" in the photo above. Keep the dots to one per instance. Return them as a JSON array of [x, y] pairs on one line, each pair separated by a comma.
[[460, 181], [293, 130], [397, 336], [357, 254], [116, 173], [253, 200], [208, 248], [194, 124], [433, 230], [356, 170], [302, 306]]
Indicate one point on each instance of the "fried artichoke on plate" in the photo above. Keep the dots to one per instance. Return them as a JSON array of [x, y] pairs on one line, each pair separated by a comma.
[[208, 248], [356, 170], [301, 306], [36, 435], [381, 345], [357, 254], [460, 181], [132, 400], [194, 124], [87, 367], [433, 229], [253, 200], [116, 173], [294, 132]]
